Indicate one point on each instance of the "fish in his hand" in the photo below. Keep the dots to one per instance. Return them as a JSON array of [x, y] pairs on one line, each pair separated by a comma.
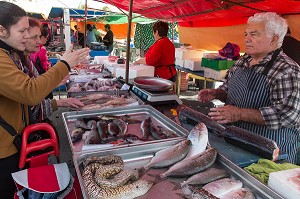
[[168, 156], [204, 177], [222, 186], [190, 116], [252, 142], [199, 138]]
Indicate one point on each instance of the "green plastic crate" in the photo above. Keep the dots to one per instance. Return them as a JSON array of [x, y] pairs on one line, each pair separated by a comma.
[[205, 62], [219, 64]]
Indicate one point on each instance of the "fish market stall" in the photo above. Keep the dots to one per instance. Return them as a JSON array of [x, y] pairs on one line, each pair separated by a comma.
[[135, 125], [135, 157]]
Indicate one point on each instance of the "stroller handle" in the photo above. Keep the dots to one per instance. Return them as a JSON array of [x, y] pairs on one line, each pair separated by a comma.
[[38, 145]]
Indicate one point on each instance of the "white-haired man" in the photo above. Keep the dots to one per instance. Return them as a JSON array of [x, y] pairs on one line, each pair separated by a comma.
[[262, 90]]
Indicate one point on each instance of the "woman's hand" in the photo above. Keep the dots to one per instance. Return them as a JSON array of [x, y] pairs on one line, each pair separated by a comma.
[[73, 58]]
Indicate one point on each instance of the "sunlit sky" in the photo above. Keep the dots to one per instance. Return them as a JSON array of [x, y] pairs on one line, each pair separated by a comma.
[[44, 6]]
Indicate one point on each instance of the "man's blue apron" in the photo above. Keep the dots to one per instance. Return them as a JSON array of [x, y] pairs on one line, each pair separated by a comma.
[[249, 89]]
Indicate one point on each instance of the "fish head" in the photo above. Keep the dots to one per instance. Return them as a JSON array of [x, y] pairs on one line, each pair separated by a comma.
[[200, 126]]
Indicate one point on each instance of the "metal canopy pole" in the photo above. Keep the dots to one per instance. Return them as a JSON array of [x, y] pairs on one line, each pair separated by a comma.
[[128, 42], [85, 16]]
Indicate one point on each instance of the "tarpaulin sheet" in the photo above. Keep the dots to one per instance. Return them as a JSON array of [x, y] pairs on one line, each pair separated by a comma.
[[119, 30], [207, 13], [215, 38]]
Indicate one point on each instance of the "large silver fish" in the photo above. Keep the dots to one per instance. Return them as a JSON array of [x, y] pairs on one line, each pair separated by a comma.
[[168, 156], [199, 138], [206, 176], [192, 165], [242, 193], [222, 186]]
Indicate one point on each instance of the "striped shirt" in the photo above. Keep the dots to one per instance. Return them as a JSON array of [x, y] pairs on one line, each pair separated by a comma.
[[284, 89]]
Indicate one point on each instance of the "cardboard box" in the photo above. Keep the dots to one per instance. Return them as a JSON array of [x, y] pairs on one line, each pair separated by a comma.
[[193, 64], [182, 53], [179, 62], [100, 59], [135, 71], [215, 74], [112, 66]]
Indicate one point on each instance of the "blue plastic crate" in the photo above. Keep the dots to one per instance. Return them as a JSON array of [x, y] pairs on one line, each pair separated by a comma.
[[94, 53]]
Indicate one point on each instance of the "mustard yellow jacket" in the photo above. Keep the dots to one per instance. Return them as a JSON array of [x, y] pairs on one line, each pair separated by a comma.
[[18, 88]]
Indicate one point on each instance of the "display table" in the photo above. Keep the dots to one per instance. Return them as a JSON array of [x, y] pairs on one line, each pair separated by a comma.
[[193, 74]]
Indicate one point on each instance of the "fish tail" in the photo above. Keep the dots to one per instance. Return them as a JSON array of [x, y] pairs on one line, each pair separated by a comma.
[[142, 171]]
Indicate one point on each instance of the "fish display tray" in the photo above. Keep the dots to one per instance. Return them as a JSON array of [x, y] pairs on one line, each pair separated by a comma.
[[74, 93], [138, 156], [115, 92], [139, 112], [86, 78]]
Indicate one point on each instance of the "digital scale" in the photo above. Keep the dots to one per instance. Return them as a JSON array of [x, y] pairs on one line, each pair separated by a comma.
[[156, 98]]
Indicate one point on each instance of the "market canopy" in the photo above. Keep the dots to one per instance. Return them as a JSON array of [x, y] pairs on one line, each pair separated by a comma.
[[36, 15], [207, 13], [75, 13]]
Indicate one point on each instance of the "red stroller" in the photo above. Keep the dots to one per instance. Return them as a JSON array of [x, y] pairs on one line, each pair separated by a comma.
[[40, 176]]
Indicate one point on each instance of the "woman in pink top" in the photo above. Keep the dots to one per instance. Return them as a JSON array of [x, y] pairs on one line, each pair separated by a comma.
[[40, 59]]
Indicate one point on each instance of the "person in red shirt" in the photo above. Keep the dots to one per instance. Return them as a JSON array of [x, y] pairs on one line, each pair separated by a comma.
[[161, 54]]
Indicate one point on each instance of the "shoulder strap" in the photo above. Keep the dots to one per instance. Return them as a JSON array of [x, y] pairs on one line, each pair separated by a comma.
[[7, 127]]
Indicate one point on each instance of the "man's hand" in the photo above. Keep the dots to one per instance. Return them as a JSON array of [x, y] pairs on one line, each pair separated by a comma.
[[225, 114], [206, 95], [228, 114]]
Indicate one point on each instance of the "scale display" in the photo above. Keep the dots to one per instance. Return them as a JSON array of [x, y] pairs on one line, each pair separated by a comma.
[[165, 97]]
